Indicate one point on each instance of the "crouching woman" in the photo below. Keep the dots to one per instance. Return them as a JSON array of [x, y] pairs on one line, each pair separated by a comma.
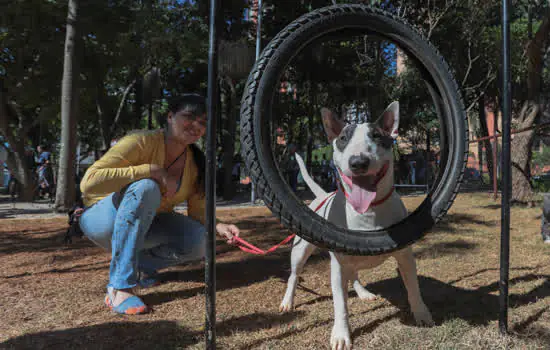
[[130, 194]]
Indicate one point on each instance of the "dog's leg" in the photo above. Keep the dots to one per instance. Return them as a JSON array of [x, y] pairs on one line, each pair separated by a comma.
[[301, 251], [340, 338], [407, 268], [361, 291]]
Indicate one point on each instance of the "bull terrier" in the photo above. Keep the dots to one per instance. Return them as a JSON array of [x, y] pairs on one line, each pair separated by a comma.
[[362, 154]]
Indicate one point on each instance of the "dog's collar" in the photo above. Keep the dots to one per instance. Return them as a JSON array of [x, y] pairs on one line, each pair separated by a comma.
[[380, 176]]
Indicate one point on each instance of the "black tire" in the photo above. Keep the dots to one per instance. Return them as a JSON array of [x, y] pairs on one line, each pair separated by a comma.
[[256, 109]]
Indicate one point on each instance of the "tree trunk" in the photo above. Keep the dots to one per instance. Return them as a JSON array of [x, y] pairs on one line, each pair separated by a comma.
[[150, 117], [101, 110], [16, 153], [65, 196], [522, 191], [522, 144], [138, 105], [484, 132]]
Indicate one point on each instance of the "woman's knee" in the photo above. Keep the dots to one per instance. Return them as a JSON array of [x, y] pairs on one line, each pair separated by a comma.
[[97, 222], [193, 245], [200, 248], [146, 190]]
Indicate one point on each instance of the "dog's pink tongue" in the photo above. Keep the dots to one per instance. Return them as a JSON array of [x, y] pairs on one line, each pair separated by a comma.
[[360, 198]]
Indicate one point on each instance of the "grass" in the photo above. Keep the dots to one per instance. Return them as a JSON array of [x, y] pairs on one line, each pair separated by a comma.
[[51, 295]]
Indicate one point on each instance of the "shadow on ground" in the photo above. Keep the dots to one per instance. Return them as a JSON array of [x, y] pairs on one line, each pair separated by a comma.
[[140, 335], [7, 213]]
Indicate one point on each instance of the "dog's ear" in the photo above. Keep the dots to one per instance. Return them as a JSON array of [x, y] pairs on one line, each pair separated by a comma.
[[389, 120], [332, 124]]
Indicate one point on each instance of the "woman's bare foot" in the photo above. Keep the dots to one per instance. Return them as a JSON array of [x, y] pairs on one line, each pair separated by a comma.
[[124, 301], [119, 295]]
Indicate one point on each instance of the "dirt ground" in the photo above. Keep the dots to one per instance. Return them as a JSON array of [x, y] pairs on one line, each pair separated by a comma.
[[51, 295]]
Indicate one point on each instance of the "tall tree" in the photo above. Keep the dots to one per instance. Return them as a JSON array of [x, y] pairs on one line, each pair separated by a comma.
[[65, 195], [533, 105]]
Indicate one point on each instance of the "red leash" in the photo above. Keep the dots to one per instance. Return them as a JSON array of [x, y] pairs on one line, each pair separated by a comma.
[[250, 248]]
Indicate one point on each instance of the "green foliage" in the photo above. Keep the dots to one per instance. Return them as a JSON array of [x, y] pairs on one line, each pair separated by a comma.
[[541, 185], [121, 41], [541, 159]]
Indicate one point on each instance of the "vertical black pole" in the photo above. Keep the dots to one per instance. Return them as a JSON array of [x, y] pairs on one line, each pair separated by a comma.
[[212, 110], [428, 164], [259, 30], [506, 171], [150, 116]]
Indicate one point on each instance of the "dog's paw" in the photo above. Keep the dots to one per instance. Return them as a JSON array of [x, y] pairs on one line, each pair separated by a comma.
[[364, 294], [286, 306], [423, 317], [340, 338], [368, 296]]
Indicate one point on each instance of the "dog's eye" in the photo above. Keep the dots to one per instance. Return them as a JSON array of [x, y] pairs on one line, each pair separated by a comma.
[[343, 138]]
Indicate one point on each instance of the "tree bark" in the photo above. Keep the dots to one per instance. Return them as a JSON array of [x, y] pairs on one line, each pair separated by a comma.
[[65, 196], [101, 109], [522, 190], [522, 144], [138, 105], [17, 160], [484, 132]]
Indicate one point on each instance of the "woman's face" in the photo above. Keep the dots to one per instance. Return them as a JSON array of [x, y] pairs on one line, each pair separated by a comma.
[[186, 127]]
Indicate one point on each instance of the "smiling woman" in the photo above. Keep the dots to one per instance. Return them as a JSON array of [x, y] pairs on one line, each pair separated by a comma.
[[130, 194]]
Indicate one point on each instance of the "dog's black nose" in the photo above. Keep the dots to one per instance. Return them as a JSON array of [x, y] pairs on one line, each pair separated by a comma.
[[358, 163]]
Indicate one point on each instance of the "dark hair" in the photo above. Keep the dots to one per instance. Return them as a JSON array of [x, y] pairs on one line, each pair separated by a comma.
[[200, 161], [195, 104]]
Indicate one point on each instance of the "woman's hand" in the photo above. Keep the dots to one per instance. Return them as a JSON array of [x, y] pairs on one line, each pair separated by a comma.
[[228, 231], [169, 184], [172, 186]]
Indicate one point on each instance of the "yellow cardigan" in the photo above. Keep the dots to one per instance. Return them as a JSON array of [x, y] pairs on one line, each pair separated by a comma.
[[129, 161]]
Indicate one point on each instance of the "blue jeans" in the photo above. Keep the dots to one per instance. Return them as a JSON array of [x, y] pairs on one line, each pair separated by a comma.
[[139, 240]]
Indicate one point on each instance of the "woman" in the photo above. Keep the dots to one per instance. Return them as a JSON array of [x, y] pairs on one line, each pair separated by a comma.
[[130, 194]]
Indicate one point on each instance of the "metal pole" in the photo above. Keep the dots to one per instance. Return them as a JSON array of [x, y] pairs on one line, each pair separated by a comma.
[[495, 169], [212, 110], [259, 30], [428, 164], [78, 159], [506, 171], [258, 51]]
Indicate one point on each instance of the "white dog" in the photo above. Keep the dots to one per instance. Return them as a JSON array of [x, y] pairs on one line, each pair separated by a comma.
[[365, 201]]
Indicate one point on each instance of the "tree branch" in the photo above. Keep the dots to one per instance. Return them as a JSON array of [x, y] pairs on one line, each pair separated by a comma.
[[434, 21], [470, 63], [121, 104], [487, 82]]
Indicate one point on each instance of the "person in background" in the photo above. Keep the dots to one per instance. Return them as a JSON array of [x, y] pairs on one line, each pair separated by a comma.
[[45, 177]]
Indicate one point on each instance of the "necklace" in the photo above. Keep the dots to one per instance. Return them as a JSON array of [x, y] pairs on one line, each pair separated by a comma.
[[177, 158]]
